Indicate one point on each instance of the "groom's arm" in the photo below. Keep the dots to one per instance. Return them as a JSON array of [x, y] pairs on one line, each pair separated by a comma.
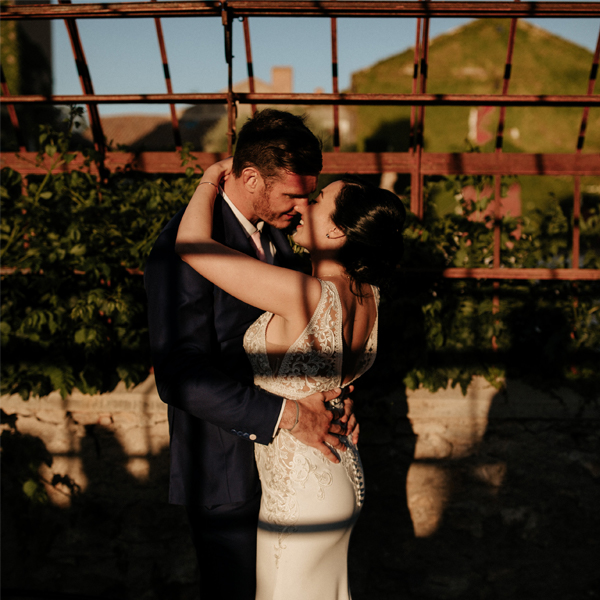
[[183, 339]]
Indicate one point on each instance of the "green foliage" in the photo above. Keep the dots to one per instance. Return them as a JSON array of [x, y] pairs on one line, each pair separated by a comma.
[[74, 307], [443, 330], [73, 311]]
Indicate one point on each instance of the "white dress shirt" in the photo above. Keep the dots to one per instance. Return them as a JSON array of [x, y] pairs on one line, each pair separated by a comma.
[[269, 249]]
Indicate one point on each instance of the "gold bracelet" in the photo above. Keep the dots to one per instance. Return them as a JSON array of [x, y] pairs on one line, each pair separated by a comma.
[[210, 183]]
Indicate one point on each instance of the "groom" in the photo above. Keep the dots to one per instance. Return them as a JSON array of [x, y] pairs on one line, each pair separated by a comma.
[[202, 372]]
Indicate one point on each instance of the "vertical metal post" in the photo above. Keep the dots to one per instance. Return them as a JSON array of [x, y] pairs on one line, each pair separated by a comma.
[[231, 106], [590, 91], [416, 200], [576, 220], [249, 63], [87, 87], [412, 132], [12, 113], [165, 63], [334, 74], [580, 142], [499, 143], [498, 178]]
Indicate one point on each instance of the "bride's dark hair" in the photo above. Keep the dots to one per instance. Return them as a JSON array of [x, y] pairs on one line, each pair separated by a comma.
[[372, 220]]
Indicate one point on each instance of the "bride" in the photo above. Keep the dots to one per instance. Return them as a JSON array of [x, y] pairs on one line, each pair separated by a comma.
[[318, 332]]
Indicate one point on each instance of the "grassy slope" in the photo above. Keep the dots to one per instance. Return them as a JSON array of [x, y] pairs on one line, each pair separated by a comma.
[[471, 60]]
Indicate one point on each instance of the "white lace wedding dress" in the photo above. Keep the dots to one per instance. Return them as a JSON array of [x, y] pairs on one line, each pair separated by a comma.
[[309, 504]]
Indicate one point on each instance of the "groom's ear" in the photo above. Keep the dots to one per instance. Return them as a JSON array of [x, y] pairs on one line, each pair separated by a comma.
[[252, 179]]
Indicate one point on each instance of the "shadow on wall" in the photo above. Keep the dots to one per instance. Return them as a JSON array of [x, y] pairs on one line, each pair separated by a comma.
[[118, 539], [498, 499], [488, 495], [503, 494]]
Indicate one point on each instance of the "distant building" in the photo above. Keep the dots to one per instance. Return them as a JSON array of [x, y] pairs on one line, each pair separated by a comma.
[[144, 132], [205, 125]]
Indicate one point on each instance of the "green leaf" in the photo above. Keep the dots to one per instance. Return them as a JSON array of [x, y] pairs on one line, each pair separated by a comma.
[[78, 250], [30, 488], [85, 336]]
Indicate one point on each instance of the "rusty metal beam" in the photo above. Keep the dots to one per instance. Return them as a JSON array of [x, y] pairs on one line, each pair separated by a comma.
[[590, 91], [578, 100], [511, 273], [338, 8], [227, 22], [335, 86], [112, 10], [580, 141], [249, 62], [117, 99], [415, 81], [468, 164], [498, 149], [167, 75], [12, 113], [424, 99], [345, 162], [304, 8], [416, 198], [85, 80]]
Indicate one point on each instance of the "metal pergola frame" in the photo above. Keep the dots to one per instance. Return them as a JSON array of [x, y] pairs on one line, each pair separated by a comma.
[[416, 162]]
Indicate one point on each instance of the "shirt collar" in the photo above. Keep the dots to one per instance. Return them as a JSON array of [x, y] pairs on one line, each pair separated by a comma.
[[249, 228]]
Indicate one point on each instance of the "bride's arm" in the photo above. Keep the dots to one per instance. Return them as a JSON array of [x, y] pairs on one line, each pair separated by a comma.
[[284, 292]]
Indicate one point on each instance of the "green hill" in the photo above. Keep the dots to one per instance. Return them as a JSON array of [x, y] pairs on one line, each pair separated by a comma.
[[471, 60]]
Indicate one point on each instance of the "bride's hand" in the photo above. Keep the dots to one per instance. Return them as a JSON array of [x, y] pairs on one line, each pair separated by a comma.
[[347, 423], [218, 172]]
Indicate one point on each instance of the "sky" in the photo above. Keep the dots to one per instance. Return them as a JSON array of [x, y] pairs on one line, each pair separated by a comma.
[[124, 57]]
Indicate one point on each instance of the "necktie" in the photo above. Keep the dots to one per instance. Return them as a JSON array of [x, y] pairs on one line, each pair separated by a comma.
[[260, 253]]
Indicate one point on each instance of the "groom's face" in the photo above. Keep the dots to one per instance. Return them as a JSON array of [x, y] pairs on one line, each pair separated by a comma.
[[279, 201]]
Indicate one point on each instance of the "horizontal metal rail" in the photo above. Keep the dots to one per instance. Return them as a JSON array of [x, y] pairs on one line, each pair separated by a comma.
[[285, 8], [504, 273], [415, 162], [364, 163], [580, 100]]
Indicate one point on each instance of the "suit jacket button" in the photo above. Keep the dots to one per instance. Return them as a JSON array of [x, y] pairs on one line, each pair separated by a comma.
[[252, 436]]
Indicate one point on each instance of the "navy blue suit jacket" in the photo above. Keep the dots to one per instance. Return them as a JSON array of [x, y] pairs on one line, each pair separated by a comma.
[[202, 372]]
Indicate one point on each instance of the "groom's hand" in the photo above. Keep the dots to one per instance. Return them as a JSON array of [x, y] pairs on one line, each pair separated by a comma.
[[315, 427]]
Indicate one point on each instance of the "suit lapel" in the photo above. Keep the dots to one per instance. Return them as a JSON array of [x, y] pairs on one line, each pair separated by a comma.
[[228, 230]]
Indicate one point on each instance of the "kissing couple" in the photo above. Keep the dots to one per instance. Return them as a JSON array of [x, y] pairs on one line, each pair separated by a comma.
[[255, 358]]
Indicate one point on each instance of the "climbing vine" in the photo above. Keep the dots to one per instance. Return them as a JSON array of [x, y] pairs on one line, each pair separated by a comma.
[[73, 302]]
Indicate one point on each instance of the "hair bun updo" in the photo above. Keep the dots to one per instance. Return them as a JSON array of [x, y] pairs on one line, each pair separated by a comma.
[[372, 220]]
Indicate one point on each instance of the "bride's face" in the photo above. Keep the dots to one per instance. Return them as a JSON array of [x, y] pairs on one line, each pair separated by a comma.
[[316, 221]]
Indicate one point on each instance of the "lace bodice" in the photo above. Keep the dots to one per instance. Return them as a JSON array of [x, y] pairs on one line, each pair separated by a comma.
[[313, 363], [308, 504]]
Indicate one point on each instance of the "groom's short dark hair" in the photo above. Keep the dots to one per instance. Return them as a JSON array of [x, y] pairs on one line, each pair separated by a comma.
[[273, 140]]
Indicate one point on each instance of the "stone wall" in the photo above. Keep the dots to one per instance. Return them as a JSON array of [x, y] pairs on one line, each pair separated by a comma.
[[488, 495]]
